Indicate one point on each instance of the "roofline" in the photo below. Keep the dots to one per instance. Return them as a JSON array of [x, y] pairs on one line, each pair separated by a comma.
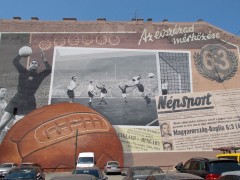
[[101, 26]]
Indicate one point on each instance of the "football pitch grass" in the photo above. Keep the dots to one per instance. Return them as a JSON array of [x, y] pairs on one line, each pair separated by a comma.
[[134, 112]]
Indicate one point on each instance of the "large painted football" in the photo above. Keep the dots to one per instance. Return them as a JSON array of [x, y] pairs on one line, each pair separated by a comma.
[[54, 135]]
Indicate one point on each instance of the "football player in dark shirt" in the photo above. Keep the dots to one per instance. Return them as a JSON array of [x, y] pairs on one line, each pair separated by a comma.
[[124, 91], [140, 87], [103, 94], [24, 100]]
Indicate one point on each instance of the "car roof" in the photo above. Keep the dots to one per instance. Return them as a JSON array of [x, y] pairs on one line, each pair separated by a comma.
[[94, 167], [26, 167], [75, 177], [115, 162], [212, 159], [8, 163], [144, 167], [229, 154], [174, 176], [30, 164], [23, 163]]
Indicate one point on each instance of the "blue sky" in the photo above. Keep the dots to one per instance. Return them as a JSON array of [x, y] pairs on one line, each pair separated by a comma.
[[224, 14]]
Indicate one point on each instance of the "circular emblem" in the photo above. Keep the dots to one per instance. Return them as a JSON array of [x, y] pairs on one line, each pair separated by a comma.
[[216, 62], [87, 40], [59, 42], [101, 39], [114, 40], [73, 40], [45, 44]]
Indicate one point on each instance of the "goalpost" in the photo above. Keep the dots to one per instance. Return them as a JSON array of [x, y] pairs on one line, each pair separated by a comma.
[[175, 70]]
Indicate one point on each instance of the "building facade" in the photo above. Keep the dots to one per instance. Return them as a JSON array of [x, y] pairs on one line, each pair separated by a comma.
[[171, 89]]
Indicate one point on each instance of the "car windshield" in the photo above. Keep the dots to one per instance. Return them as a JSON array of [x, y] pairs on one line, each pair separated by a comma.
[[146, 171], [21, 174], [222, 166], [84, 160], [113, 164], [28, 164], [93, 172]]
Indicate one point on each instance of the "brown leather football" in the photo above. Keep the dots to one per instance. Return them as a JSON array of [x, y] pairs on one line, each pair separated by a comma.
[[48, 136]]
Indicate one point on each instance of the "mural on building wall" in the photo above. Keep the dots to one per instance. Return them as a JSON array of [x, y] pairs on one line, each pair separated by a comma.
[[216, 63], [154, 86], [202, 120], [54, 135], [116, 69], [130, 91], [23, 77]]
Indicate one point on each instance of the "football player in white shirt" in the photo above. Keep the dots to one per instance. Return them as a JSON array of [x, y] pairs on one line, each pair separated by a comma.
[[90, 92], [164, 87], [71, 86]]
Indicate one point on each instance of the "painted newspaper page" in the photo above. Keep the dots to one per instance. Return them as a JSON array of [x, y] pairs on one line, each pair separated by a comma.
[[200, 121]]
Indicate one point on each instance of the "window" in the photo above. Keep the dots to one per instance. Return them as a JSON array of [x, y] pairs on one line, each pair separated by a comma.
[[113, 163], [87, 171], [224, 166], [187, 165], [195, 165], [82, 160], [202, 165]]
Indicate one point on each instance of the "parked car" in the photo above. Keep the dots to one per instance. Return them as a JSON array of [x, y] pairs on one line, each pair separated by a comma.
[[86, 159], [229, 177], [95, 171], [235, 156], [237, 173], [112, 167], [75, 177], [30, 173], [208, 168], [24, 164], [5, 168], [141, 172], [173, 176]]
